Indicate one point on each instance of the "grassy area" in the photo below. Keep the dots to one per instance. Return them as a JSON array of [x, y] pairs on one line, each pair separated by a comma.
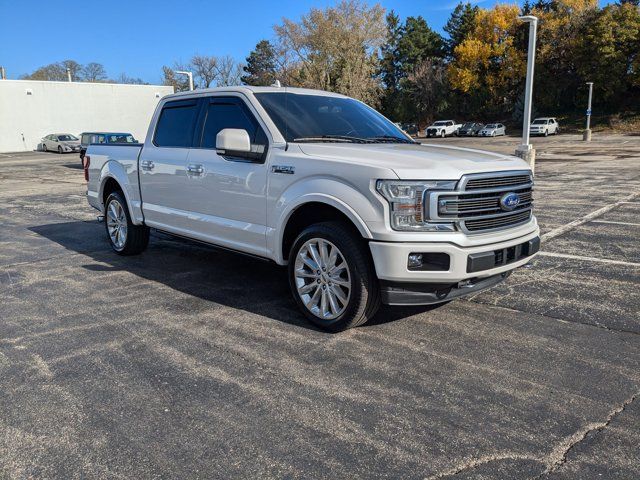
[[626, 122]]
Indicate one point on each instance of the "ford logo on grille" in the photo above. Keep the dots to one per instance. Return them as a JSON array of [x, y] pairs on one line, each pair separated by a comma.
[[509, 201]]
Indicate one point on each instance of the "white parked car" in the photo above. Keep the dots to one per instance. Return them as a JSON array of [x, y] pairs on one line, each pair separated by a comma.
[[61, 143], [544, 126], [442, 128], [492, 130], [358, 212]]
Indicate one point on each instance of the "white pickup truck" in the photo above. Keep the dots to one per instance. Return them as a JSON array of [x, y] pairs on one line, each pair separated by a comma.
[[359, 212], [442, 128]]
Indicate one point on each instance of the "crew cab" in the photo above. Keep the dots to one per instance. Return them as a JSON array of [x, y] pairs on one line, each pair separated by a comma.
[[358, 212], [442, 128]]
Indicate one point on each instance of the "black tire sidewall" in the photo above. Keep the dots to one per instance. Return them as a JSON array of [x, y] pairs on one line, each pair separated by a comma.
[[360, 272], [120, 198]]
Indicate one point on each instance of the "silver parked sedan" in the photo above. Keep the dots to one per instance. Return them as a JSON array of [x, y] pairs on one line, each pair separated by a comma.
[[61, 143], [492, 130]]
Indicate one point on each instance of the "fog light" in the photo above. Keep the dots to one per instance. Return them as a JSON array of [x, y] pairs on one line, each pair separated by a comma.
[[415, 260]]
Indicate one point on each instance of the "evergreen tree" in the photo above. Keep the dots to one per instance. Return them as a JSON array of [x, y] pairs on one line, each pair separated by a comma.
[[260, 69], [460, 25]]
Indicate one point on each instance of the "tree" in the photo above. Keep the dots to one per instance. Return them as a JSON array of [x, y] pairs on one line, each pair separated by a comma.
[[204, 70], [261, 65], [335, 49], [126, 79], [418, 42], [74, 68], [180, 83], [52, 72], [228, 71], [427, 88], [94, 72], [460, 25]]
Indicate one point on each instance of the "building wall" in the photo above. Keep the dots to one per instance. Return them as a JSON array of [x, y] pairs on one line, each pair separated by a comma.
[[72, 107]]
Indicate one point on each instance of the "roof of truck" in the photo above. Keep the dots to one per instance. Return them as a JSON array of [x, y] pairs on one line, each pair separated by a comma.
[[250, 89]]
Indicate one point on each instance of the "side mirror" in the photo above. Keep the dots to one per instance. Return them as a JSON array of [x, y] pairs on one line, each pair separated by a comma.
[[233, 141]]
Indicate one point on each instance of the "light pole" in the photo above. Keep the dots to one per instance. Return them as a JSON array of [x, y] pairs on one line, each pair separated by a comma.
[[188, 74], [68, 75], [526, 151], [586, 136]]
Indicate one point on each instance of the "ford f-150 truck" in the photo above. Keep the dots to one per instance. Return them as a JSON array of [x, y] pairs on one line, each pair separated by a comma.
[[359, 212]]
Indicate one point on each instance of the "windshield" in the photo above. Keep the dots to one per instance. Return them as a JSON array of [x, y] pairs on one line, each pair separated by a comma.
[[121, 138], [319, 118], [66, 138], [491, 125], [539, 122], [468, 125]]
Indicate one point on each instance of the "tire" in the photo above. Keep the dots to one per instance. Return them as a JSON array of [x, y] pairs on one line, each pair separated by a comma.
[[60, 150], [347, 305], [546, 133], [116, 216], [44, 147], [442, 135]]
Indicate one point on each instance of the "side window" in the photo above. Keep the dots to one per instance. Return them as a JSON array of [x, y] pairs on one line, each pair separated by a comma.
[[230, 113], [176, 124]]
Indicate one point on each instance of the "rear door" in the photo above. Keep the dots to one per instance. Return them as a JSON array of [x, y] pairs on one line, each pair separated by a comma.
[[162, 166], [227, 194]]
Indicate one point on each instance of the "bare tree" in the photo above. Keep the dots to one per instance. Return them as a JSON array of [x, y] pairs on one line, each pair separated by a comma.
[[228, 71], [94, 72], [126, 79], [74, 68], [427, 86], [205, 70], [179, 82]]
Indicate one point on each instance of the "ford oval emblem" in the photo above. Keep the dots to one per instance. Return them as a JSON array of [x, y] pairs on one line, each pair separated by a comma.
[[509, 201]]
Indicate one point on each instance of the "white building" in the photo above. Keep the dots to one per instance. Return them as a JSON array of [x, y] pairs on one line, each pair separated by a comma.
[[31, 109]]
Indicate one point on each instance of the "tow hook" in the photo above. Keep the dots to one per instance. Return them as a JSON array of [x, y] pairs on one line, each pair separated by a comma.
[[100, 218], [466, 284]]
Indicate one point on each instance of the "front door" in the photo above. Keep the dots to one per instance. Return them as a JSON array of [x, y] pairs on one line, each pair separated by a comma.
[[227, 195]]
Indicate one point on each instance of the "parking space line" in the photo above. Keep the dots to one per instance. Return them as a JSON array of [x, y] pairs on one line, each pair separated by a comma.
[[616, 223], [587, 218], [589, 259]]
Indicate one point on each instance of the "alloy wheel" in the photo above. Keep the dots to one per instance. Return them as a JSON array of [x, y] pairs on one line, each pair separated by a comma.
[[117, 224], [322, 278]]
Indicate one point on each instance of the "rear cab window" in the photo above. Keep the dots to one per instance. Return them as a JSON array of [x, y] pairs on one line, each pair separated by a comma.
[[176, 124]]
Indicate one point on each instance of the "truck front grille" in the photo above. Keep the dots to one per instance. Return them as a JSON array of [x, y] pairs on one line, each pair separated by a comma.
[[477, 204]]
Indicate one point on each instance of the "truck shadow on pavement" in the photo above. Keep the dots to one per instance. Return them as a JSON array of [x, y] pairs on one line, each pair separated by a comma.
[[213, 275]]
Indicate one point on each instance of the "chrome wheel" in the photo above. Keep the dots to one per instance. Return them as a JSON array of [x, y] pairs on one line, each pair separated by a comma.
[[117, 224], [322, 278]]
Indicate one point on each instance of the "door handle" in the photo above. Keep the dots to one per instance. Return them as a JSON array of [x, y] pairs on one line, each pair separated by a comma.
[[195, 169], [147, 165]]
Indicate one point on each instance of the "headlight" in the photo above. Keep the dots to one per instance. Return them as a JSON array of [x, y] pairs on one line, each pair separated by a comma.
[[406, 203]]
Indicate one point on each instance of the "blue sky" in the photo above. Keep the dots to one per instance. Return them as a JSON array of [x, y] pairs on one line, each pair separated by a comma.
[[137, 37]]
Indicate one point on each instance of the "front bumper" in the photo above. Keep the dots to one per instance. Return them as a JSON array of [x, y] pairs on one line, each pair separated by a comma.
[[401, 293], [390, 259]]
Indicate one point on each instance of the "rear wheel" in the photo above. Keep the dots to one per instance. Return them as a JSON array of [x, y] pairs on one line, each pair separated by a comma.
[[332, 277], [125, 237]]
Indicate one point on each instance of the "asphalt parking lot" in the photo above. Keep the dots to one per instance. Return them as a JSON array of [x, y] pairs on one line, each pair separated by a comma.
[[187, 362]]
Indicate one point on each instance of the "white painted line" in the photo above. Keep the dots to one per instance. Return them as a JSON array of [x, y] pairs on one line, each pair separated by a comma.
[[589, 259], [616, 223], [587, 218]]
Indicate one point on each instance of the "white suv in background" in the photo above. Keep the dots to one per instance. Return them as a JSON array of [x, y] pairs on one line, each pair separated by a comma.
[[544, 126]]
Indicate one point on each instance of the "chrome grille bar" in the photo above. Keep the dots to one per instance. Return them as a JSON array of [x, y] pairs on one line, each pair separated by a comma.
[[475, 206]]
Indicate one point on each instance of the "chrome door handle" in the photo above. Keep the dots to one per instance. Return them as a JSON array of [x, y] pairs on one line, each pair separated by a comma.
[[147, 165], [195, 169]]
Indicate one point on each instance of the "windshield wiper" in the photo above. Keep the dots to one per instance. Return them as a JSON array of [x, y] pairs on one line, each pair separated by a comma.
[[333, 138], [390, 139]]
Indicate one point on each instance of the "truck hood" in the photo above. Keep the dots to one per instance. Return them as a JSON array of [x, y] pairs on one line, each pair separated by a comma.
[[419, 161]]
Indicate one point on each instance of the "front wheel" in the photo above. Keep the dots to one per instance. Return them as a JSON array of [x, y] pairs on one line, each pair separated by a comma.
[[44, 147], [332, 277], [442, 135], [125, 237], [60, 150]]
